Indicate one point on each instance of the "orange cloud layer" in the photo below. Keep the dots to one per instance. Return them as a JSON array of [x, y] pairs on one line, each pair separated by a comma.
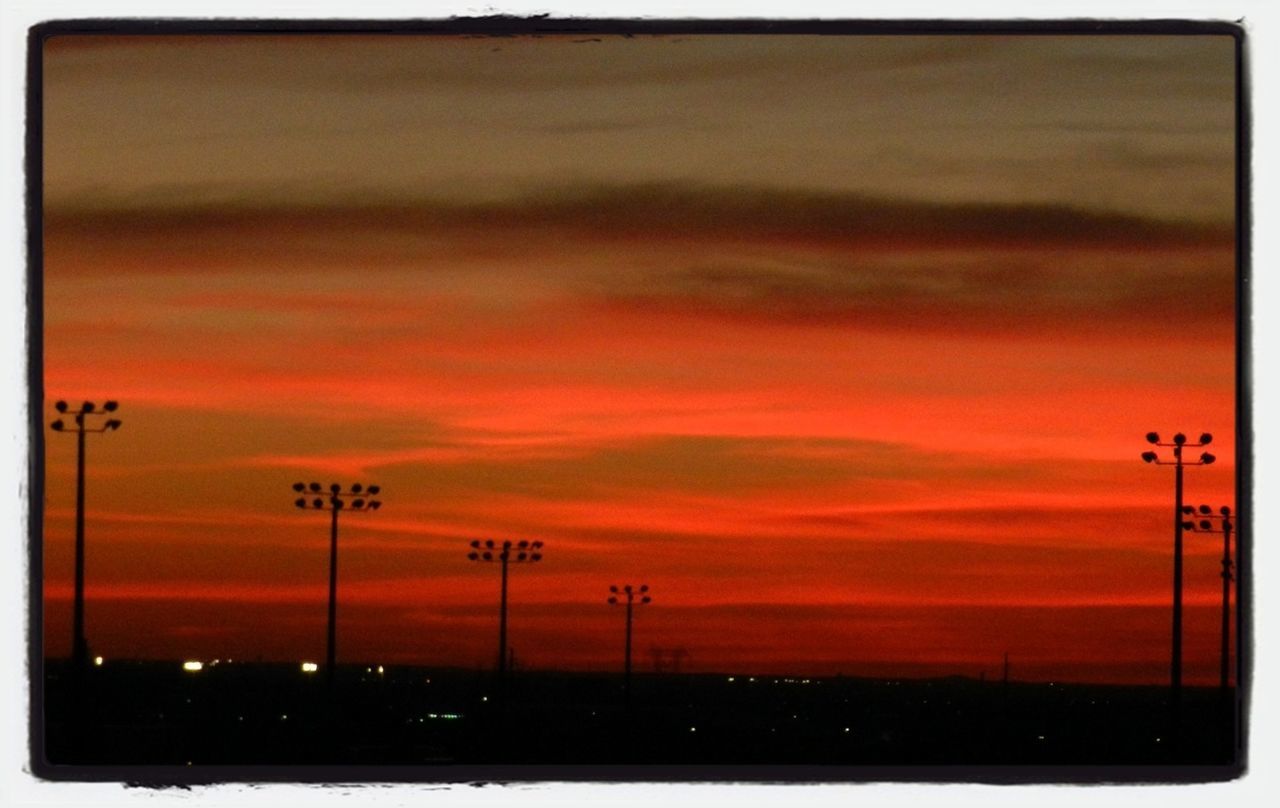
[[828, 449]]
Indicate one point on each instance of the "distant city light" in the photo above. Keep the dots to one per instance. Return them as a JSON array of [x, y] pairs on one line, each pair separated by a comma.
[[310, 667], [380, 670], [693, 729], [192, 666], [97, 661], [730, 678]]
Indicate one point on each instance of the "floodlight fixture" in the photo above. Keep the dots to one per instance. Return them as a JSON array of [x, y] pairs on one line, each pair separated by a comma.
[[616, 598], [337, 501], [82, 427], [1177, 445], [501, 552], [1226, 528]]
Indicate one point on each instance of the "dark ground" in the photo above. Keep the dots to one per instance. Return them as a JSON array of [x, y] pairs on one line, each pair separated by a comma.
[[154, 715]]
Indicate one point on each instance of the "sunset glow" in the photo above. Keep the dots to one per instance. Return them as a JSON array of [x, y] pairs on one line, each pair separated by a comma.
[[845, 346]]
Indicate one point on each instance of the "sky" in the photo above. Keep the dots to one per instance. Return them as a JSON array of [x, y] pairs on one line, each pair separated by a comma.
[[846, 346]]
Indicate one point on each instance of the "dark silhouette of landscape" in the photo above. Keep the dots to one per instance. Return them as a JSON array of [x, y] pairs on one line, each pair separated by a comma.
[[232, 713]]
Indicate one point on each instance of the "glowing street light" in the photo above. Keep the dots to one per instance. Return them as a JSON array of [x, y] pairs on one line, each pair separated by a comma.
[[358, 499], [81, 419], [1178, 443], [520, 552], [1205, 525], [630, 594]]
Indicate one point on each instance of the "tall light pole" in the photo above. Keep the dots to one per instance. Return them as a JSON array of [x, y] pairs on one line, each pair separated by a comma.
[[524, 552], [358, 499], [630, 595], [1178, 443], [80, 419], [1225, 527]]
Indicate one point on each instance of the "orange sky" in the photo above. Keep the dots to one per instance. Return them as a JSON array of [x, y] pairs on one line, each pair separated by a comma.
[[841, 414]]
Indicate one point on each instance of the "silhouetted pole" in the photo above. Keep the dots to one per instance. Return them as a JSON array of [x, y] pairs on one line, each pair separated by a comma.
[[1178, 444], [631, 597], [502, 621], [357, 499], [526, 552], [1227, 578], [331, 639], [1206, 526], [79, 645]]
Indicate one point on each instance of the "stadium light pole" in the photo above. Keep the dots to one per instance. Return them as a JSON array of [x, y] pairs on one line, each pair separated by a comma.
[[80, 419], [614, 599], [1178, 443], [1225, 527], [525, 552], [357, 499]]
